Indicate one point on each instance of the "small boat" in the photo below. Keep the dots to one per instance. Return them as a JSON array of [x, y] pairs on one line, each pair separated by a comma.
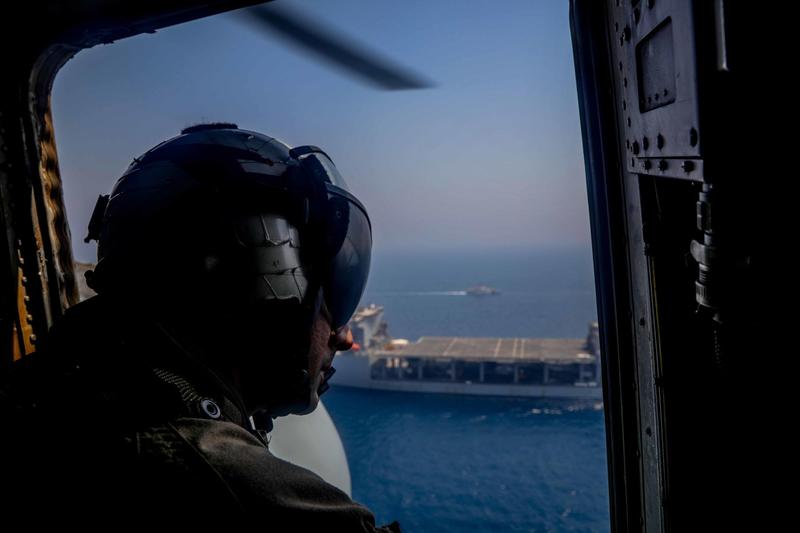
[[481, 290]]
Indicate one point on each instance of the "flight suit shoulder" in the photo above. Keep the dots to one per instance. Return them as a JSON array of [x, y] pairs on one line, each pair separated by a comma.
[[267, 486]]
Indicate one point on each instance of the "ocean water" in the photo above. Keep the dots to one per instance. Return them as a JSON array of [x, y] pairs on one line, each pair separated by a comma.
[[441, 463]]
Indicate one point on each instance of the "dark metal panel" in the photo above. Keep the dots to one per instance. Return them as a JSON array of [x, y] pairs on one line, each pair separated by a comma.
[[652, 127], [87, 23], [705, 394], [634, 142], [658, 67], [9, 340]]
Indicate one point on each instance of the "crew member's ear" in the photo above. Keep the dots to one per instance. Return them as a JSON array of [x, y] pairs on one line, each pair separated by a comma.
[[341, 339]]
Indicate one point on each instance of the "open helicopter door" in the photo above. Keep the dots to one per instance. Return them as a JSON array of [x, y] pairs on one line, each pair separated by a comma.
[[677, 139]]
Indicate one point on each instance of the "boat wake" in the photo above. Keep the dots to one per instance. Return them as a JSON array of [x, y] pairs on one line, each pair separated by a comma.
[[424, 293]]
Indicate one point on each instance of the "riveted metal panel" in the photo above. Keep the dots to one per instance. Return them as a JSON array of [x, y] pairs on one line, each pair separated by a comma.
[[657, 61]]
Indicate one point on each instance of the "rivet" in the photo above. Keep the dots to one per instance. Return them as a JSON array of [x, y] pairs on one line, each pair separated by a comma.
[[663, 165], [660, 141], [645, 143], [693, 137], [636, 147], [32, 338], [647, 164], [687, 166]]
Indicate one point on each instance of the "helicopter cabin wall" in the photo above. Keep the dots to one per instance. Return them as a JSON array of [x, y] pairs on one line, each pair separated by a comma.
[[36, 287], [674, 200], [653, 48]]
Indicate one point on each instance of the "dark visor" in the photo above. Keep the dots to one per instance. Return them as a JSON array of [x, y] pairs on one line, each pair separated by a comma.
[[350, 248]]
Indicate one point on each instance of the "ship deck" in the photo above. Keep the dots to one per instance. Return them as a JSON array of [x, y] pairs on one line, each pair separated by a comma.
[[507, 350]]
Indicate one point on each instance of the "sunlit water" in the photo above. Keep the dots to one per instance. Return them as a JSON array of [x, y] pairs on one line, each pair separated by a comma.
[[448, 463], [440, 463]]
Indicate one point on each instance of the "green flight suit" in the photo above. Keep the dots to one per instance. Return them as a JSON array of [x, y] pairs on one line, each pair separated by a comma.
[[112, 424]]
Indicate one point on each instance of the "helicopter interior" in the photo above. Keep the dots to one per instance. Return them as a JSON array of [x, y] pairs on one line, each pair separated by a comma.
[[685, 227]]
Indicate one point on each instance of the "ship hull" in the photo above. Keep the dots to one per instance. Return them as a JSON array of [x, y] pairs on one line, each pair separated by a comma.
[[354, 371]]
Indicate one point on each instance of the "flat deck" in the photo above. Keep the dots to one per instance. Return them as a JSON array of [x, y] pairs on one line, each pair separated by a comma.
[[496, 349]]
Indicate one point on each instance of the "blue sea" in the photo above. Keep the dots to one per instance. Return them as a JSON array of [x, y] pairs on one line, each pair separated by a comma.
[[441, 463]]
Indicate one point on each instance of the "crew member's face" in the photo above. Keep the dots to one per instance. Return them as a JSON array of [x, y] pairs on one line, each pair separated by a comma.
[[278, 388], [324, 345]]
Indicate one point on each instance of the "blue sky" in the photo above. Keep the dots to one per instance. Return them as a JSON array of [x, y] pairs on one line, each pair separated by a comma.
[[489, 157]]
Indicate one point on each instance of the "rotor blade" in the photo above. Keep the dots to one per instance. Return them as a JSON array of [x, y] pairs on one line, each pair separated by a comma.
[[336, 49]]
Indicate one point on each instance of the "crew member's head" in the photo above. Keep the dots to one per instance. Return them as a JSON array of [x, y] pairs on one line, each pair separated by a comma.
[[253, 254]]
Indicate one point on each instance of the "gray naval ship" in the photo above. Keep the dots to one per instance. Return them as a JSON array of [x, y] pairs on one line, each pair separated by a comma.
[[529, 367]]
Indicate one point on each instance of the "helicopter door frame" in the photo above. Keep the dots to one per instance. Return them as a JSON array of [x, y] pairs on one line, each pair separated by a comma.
[[690, 215], [36, 263], [612, 270]]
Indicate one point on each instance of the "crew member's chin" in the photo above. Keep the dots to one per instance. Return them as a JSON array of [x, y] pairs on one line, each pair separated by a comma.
[[313, 402], [310, 400], [296, 408]]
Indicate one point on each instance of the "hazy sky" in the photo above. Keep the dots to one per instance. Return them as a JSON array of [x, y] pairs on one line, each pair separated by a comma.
[[490, 156]]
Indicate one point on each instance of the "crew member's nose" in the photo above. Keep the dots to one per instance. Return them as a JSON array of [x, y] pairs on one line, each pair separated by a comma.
[[341, 339]]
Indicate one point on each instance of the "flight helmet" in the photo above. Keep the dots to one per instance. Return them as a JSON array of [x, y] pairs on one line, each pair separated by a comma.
[[238, 223]]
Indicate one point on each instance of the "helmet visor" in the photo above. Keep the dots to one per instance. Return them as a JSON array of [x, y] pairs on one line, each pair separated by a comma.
[[350, 249]]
